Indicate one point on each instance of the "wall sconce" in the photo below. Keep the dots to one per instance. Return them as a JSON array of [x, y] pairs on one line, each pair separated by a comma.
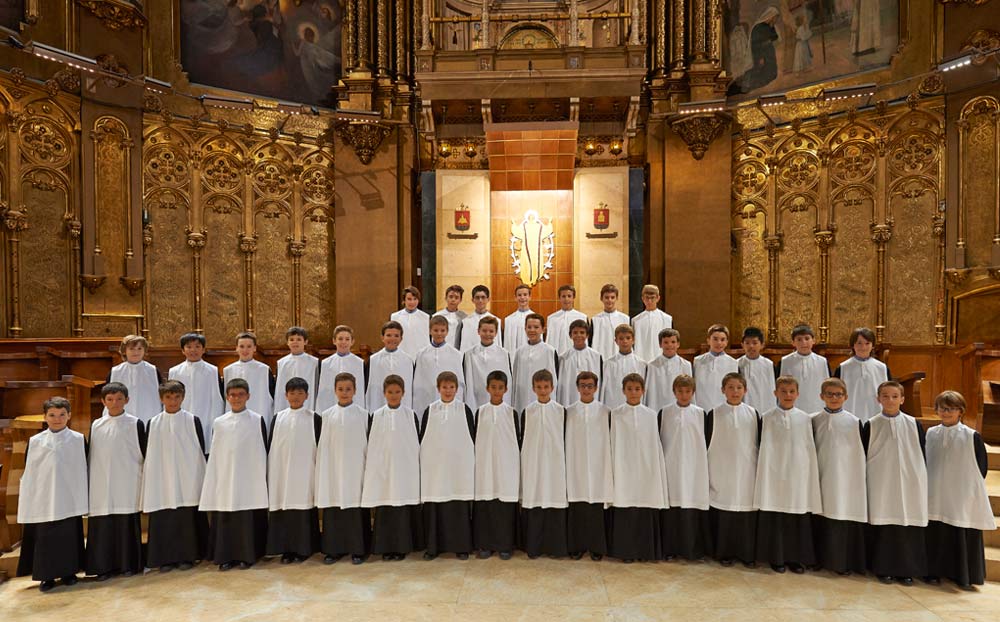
[[616, 147], [470, 150], [590, 147], [444, 149]]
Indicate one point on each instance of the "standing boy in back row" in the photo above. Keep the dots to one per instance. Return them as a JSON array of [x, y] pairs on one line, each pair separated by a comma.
[[649, 323]]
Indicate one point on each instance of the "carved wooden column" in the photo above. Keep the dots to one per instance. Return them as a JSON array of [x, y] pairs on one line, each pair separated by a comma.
[[363, 29], [773, 245], [296, 248], [349, 33], [425, 25], [15, 221], [382, 43], [147, 242], [248, 246], [881, 234], [939, 302], [714, 32], [824, 239], [74, 228], [196, 241], [402, 50], [634, 21], [698, 22], [678, 33], [574, 23]]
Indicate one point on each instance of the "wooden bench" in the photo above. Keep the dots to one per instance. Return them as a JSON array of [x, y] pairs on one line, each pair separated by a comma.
[[980, 370]]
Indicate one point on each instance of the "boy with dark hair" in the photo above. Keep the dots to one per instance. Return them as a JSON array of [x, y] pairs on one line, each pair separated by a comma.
[[578, 358], [559, 322], [623, 363], [340, 362], [454, 315], [389, 361], [413, 323], [140, 377], [758, 370], [260, 380], [711, 367], [809, 368], [498, 472], [469, 336], [533, 356], [437, 357], [203, 387], [649, 323], [862, 374], [514, 335], [589, 483], [603, 325], [661, 371], [296, 364], [482, 360]]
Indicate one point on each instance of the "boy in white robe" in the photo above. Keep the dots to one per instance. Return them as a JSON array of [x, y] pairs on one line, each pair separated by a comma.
[[439, 356], [414, 322], [558, 323], [649, 323], [809, 368], [343, 361], [514, 335], [389, 361], [447, 471], [862, 373], [172, 479], [543, 472], [115, 454], [589, 483], [392, 475], [623, 363], [454, 315], [758, 370], [897, 490], [235, 488], [578, 358], [787, 492], [603, 325], [711, 367], [958, 506], [202, 384], [340, 475], [840, 528], [53, 500], [661, 371], [140, 377], [296, 364], [470, 325], [257, 374], [533, 356], [640, 477], [498, 472], [481, 361], [293, 522]]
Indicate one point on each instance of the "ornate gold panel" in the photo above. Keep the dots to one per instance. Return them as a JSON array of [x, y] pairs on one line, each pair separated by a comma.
[[852, 264], [978, 129], [750, 273], [798, 276], [272, 291], [169, 278], [223, 275], [912, 264], [318, 290], [45, 263]]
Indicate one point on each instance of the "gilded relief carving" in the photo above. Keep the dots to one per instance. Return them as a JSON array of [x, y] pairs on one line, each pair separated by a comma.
[[979, 187]]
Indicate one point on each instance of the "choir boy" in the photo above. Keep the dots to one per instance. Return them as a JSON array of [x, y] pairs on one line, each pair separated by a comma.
[[447, 471], [340, 475], [958, 506], [640, 477], [732, 431], [172, 478], [454, 315], [758, 370], [711, 367], [392, 475], [389, 361], [578, 358], [53, 500], [435, 358], [623, 363], [117, 449], [202, 384], [257, 374], [414, 322], [483, 359], [809, 368], [235, 489], [840, 528], [685, 526], [296, 364], [897, 490], [470, 325], [543, 470], [293, 522], [662, 370], [603, 325], [862, 373], [589, 484], [498, 472], [343, 361], [140, 377], [533, 356], [787, 492], [649, 323], [559, 322], [514, 335]]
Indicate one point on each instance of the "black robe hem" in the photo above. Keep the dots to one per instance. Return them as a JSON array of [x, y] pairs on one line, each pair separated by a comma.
[[52, 550], [635, 534], [784, 538], [397, 530], [543, 532], [494, 525], [239, 536], [293, 532], [587, 528], [685, 532], [448, 527], [733, 534], [840, 544], [955, 553], [114, 544], [176, 536], [346, 531], [897, 551]]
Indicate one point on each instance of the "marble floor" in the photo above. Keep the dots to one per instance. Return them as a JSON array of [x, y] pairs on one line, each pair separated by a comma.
[[487, 590]]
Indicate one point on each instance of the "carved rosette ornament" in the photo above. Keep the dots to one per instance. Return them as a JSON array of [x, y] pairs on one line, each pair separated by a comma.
[[92, 282], [196, 239], [364, 136], [982, 42], [115, 14], [699, 130], [15, 220], [248, 243], [958, 276], [132, 284]]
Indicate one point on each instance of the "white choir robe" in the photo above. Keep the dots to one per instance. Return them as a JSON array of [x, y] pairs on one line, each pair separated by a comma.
[[615, 370], [340, 457], [787, 467], [602, 332], [647, 326], [543, 456], [640, 472], [477, 364], [709, 370], [305, 366], [589, 476], [571, 363], [498, 457], [202, 394], [291, 461], [115, 462], [682, 435], [862, 378], [54, 481], [174, 470], [236, 474], [557, 328], [759, 373], [470, 331], [447, 454], [527, 360], [513, 330], [810, 371], [897, 474], [660, 374], [143, 382], [732, 458], [392, 465], [455, 319], [840, 456], [387, 363], [430, 362], [332, 365], [955, 490], [416, 330], [258, 376]]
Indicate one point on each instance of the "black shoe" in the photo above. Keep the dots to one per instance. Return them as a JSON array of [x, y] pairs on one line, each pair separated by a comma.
[[388, 557], [596, 557], [357, 559], [301, 558], [287, 558], [428, 556], [844, 573], [185, 566], [462, 556], [70, 580], [885, 578], [128, 573], [46, 586], [484, 554], [399, 557], [669, 558], [797, 568], [576, 555], [750, 565], [245, 565], [726, 562], [225, 567], [933, 580], [627, 561], [779, 568], [535, 556], [330, 559], [167, 567], [907, 581], [103, 577], [505, 555]]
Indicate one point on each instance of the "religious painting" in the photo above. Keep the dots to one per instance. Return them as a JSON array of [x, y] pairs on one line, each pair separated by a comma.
[[773, 46], [11, 14], [286, 49]]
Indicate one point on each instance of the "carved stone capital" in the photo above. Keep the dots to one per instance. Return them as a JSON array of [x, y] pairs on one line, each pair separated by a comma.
[[196, 239], [699, 130], [773, 243], [938, 225], [15, 220], [147, 235], [881, 234], [364, 136], [248, 243], [980, 43], [824, 239], [115, 14], [296, 248], [68, 80], [958, 276], [73, 227], [132, 284], [92, 281]]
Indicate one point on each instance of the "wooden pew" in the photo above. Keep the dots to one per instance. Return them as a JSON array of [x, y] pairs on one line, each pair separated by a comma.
[[25, 397], [980, 370], [15, 445]]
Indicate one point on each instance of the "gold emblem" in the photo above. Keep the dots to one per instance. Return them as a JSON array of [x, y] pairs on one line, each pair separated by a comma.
[[532, 247]]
